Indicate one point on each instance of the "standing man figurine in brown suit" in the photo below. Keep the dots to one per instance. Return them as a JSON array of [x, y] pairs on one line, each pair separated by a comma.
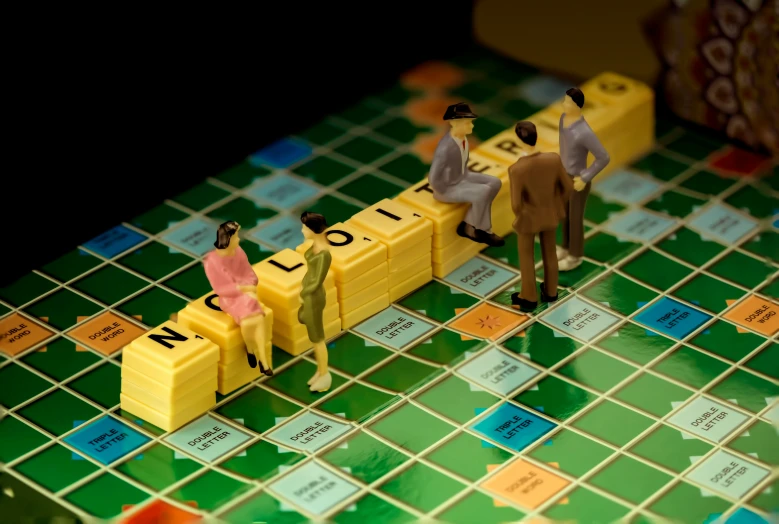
[[540, 189]]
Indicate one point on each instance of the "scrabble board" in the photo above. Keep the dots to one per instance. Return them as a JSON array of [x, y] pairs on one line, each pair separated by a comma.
[[648, 391]]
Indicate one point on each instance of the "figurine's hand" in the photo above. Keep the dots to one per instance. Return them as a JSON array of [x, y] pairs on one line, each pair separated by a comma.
[[578, 183]]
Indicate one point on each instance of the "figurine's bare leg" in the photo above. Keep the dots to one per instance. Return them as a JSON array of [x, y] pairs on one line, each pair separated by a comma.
[[322, 380], [316, 374], [322, 383], [254, 336], [249, 333], [320, 353]]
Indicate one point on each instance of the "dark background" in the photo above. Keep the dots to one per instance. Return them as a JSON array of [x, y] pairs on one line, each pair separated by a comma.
[[115, 119]]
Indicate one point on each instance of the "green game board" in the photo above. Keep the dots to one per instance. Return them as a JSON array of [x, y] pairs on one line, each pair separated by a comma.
[[658, 400]]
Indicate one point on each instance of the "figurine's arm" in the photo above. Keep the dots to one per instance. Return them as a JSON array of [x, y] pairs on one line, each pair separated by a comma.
[[319, 272], [440, 170], [220, 281], [565, 183], [602, 159], [247, 277]]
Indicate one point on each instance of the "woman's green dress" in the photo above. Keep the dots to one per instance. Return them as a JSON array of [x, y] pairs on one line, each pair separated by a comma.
[[313, 294]]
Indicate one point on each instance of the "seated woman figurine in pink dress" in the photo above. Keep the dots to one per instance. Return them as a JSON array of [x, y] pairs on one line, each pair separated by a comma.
[[233, 279]]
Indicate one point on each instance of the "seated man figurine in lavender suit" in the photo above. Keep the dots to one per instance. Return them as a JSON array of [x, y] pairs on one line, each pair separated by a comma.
[[453, 182]]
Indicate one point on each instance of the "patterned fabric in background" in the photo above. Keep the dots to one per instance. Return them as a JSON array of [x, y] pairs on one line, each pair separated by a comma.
[[721, 61]]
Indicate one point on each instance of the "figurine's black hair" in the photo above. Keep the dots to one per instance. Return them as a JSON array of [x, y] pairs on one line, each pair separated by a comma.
[[314, 221], [526, 131], [225, 233], [576, 95]]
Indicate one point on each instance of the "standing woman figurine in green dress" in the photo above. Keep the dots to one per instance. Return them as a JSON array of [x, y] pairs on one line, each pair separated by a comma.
[[312, 295]]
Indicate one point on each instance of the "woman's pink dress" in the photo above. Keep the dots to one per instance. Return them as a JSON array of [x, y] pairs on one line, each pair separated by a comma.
[[226, 273]]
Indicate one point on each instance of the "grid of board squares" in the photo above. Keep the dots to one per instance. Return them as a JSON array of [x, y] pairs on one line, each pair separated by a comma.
[[393, 375]]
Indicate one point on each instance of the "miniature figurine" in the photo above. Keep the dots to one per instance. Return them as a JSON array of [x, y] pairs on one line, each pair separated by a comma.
[[312, 295], [233, 279], [540, 189], [453, 182], [577, 140]]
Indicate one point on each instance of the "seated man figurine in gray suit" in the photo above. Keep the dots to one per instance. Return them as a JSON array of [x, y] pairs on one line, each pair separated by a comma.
[[452, 182]]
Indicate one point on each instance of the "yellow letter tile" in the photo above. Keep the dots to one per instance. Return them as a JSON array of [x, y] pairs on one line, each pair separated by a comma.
[[190, 388], [504, 147], [355, 285], [363, 297], [395, 224], [414, 282], [408, 256], [411, 269], [168, 421], [619, 92], [204, 317], [480, 163], [172, 347], [296, 347], [353, 250], [280, 277], [444, 216], [355, 316], [458, 248]]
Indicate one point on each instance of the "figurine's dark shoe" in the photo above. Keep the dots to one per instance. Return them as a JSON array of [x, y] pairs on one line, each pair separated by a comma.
[[491, 239], [520, 303], [545, 297], [252, 360], [462, 230], [266, 372]]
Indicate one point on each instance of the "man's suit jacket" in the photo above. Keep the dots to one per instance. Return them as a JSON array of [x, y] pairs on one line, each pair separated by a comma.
[[447, 166], [540, 189]]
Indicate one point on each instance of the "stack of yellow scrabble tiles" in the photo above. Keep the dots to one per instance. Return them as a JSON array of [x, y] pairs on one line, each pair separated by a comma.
[[204, 317], [626, 120], [408, 237], [169, 376], [280, 282], [450, 250], [361, 272]]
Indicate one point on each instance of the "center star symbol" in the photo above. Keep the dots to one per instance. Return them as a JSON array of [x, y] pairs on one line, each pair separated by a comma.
[[489, 322]]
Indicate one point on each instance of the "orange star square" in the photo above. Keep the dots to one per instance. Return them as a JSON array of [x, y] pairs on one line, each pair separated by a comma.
[[488, 321]]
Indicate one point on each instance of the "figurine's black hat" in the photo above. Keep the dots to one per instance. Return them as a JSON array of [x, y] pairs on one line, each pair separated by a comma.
[[459, 110]]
